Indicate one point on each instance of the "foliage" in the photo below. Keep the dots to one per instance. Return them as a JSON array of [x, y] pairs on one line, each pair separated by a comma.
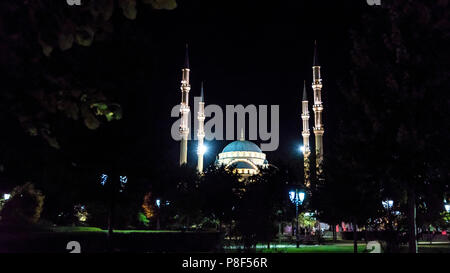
[[148, 206], [142, 218], [393, 94], [306, 221], [219, 189], [42, 82], [24, 206], [258, 209]]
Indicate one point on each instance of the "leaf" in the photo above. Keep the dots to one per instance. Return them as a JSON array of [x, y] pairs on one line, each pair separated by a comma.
[[128, 8], [46, 49], [65, 41], [161, 4], [91, 122], [84, 36]]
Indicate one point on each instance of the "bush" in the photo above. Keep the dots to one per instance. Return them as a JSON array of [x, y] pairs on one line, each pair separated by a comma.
[[24, 206]]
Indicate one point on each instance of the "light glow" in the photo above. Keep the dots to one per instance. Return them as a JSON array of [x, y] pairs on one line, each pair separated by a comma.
[[447, 207], [302, 196], [6, 196], [201, 149], [158, 203], [387, 204], [103, 179], [302, 149], [297, 197], [292, 195]]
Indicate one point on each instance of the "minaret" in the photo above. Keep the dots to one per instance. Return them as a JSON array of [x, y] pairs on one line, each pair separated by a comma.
[[305, 134], [201, 131], [317, 108], [184, 109]]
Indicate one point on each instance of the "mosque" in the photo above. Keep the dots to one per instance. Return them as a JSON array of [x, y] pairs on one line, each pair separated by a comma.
[[242, 156]]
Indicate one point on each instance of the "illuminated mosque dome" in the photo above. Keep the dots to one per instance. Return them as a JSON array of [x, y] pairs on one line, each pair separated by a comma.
[[241, 146], [244, 157]]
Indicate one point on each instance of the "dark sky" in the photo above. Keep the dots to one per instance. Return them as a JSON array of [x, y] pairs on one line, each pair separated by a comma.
[[250, 54]]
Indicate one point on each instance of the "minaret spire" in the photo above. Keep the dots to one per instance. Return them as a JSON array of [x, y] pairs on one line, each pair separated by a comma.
[[201, 131], [186, 58], [305, 96], [318, 108], [184, 110], [202, 97], [305, 135], [315, 59]]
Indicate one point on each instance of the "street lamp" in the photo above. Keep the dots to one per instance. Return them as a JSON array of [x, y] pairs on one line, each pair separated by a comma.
[[297, 198], [447, 208], [388, 204], [112, 187], [158, 205]]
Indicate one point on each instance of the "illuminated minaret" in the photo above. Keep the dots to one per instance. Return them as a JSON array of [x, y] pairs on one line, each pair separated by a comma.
[[184, 109], [305, 134], [317, 108], [201, 131]]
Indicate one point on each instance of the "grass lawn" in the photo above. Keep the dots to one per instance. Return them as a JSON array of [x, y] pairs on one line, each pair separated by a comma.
[[69, 229], [315, 249], [427, 248]]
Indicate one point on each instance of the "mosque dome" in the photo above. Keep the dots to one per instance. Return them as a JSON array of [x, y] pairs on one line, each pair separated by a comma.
[[244, 157], [241, 146]]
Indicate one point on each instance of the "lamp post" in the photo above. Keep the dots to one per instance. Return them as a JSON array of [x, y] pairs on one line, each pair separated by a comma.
[[388, 204], [158, 205], [112, 187], [297, 198]]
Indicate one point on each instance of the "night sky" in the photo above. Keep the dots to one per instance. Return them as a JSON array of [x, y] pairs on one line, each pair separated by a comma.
[[251, 54]]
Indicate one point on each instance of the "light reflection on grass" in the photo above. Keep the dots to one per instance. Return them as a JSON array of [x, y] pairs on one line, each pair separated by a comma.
[[66, 229], [315, 249]]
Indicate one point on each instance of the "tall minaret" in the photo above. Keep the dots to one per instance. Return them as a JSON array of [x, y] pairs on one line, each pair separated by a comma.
[[317, 108], [201, 131], [305, 134], [184, 109]]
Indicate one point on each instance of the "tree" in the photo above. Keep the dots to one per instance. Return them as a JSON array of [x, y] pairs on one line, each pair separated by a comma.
[[257, 211], [182, 190], [24, 206], [398, 79], [54, 106], [219, 190]]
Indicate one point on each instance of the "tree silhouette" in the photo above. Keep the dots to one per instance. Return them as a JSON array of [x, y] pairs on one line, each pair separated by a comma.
[[397, 83]]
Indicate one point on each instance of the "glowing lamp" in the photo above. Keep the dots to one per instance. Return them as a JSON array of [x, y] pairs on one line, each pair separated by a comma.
[[158, 203], [201, 149], [296, 197], [6, 196], [302, 149], [447, 207], [302, 196], [103, 179], [292, 195], [387, 204]]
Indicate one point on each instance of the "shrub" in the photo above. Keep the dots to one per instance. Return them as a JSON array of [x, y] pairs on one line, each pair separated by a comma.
[[24, 206]]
